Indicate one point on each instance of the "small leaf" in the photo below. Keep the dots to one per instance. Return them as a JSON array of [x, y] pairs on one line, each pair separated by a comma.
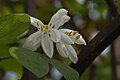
[[31, 60]]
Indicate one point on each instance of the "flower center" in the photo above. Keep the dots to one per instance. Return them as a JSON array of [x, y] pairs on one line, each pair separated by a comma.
[[45, 27]]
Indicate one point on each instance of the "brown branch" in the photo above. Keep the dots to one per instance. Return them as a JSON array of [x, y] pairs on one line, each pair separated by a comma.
[[94, 48]]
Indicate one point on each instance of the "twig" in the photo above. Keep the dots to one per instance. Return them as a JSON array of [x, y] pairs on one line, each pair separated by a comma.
[[5, 58]]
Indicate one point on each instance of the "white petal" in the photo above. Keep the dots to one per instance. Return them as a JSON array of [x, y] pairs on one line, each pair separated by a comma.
[[55, 35], [56, 18], [72, 53], [60, 22], [33, 41], [66, 39], [62, 49], [77, 41], [47, 45], [36, 22], [65, 30]]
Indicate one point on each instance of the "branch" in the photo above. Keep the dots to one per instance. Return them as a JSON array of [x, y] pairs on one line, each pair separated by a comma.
[[94, 48], [5, 58]]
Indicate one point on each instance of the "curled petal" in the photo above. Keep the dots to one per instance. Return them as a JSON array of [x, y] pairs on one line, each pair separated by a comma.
[[33, 41], [56, 18], [62, 49], [80, 41], [47, 45], [36, 22], [75, 36], [72, 53], [55, 35], [66, 39]]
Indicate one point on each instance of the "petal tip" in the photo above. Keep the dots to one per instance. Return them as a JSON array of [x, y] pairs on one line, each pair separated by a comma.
[[50, 56], [83, 41], [62, 10], [75, 61]]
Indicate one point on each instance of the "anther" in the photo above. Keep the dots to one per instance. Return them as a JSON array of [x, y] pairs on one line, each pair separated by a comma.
[[77, 37], [70, 33], [67, 33], [75, 32]]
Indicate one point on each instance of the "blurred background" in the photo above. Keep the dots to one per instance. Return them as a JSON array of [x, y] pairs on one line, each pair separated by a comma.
[[87, 17]]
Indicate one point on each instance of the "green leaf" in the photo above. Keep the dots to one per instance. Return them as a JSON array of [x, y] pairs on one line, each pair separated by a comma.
[[12, 25], [68, 72], [65, 70], [31, 60], [38, 63]]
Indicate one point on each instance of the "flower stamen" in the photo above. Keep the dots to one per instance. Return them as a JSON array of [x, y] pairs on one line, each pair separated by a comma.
[[45, 27], [74, 32], [67, 33], [71, 33], [77, 37]]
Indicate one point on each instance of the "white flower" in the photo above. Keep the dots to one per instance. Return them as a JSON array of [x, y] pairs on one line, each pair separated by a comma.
[[47, 34], [66, 50]]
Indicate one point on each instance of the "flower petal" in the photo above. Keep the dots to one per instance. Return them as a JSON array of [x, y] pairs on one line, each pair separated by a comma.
[[47, 45], [65, 30], [80, 41], [62, 49], [66, 39], [56, 18], [55, 35], [33, 41], [72, 53], [36, 22], [63, 20], [77, 38]]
